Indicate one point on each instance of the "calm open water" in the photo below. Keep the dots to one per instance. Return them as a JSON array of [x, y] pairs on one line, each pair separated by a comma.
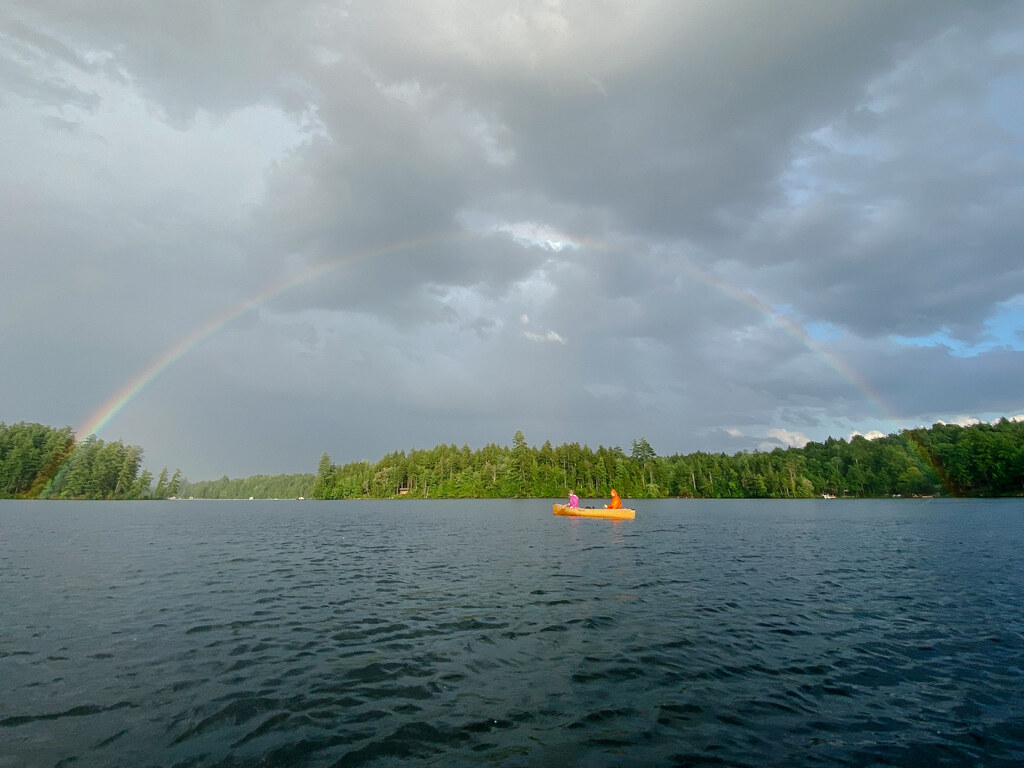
[[296, 633]]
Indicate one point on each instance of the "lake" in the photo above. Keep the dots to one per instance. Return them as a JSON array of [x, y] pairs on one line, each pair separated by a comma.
[[302, 633]]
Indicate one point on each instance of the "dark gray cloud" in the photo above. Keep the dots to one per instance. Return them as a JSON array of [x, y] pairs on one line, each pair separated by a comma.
[[348, 227]]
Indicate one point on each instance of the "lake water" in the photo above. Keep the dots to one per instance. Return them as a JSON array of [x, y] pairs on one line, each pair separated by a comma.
[[300, 633]]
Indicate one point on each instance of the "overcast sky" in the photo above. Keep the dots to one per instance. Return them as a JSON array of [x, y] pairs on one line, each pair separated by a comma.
[[240, 234]]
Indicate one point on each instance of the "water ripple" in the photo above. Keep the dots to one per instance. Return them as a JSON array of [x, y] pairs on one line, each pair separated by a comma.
[[301, 634]]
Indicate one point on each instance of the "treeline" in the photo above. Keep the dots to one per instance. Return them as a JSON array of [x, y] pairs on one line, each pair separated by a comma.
[[256, 487], [978, 460], [40, 462], [981, 460]]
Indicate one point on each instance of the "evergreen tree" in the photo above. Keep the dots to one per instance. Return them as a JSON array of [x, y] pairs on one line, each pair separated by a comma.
[[160, 492], [325, 478], [174, 485]]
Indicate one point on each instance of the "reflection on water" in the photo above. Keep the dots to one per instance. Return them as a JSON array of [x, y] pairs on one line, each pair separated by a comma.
[[468, 633]]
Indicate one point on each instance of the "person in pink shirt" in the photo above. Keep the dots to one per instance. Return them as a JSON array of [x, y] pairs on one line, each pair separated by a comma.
[[574, 501]]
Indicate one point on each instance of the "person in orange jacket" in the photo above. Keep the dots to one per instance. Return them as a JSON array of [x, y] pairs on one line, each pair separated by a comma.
[[616, 501]]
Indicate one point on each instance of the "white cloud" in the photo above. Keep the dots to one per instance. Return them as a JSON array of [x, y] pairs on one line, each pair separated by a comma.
[[965, 421], [872, 434], [530, 233], [544, 338], [788, 437]]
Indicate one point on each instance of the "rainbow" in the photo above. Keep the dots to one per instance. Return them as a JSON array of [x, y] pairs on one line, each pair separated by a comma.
[[101, 418], [117, 402], [781, 321], [797, 332]]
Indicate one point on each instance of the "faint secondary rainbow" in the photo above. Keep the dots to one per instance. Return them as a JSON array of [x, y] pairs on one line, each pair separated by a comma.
[[117, 402]]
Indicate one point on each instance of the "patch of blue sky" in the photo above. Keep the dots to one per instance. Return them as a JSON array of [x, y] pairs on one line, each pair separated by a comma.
[[1003, 330], [822, 330], [808, 177], [1005, 107], [1003, 104], [816, 330]]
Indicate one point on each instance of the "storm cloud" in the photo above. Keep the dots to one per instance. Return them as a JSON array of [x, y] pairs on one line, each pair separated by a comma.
[[288, 228]]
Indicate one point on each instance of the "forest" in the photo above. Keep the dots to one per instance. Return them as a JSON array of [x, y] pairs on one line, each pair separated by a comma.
[[944, 460], [256, 487], [981, 460], [40, 462]]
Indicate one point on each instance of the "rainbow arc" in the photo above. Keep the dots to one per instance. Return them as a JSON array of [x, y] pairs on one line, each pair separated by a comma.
[[101, 418]]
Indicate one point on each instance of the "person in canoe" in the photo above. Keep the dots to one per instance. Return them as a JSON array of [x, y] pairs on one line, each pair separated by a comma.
[[574, 500], [616, 502]]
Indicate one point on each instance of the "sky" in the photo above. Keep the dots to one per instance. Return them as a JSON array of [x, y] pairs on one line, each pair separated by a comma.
[[243, 234]]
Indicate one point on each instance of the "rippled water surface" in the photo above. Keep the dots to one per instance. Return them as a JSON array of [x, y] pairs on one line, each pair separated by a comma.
[[296, 633]]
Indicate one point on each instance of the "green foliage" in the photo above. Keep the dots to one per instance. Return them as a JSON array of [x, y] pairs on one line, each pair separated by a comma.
[[494, 471], [981, 460], [42, 462], [30, 455], [325, 477], [167, 488], [646, 458], [256, 487]]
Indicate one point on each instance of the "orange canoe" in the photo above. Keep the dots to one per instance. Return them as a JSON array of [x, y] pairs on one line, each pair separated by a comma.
[[614, 514]]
